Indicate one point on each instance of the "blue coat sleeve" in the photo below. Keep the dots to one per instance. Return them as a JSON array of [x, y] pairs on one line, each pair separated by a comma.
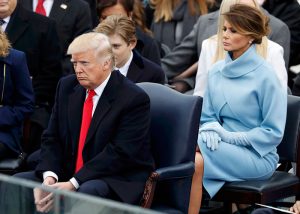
[[273, 104], [18, 99]]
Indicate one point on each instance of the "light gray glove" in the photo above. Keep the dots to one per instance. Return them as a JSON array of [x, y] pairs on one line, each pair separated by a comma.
[[237, 138], [211, 138]]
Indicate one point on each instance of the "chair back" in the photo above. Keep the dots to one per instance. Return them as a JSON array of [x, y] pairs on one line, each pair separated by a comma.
[[175, 121], [289, 149], [174, 124]]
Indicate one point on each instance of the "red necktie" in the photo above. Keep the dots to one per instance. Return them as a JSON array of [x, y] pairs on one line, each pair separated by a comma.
[[85, 124], [40, 8]]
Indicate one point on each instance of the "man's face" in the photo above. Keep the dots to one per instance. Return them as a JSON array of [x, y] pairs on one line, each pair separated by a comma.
[[90, 71], [7, 7], [121, 49]]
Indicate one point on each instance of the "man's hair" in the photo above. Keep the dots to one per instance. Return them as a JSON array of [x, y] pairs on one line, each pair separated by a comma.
[[93, 41], [120, 25]]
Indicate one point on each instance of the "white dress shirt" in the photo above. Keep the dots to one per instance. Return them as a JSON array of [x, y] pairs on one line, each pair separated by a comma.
[[3, 27], [124, 69], [99, 90]]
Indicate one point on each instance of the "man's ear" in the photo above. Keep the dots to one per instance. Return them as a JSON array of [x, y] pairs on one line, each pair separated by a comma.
[[132, 44], [106, 64]]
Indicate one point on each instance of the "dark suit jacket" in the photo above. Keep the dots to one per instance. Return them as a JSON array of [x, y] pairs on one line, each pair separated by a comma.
[[143, 70], [72, 19], [36, 36], [18, 99], [117, 148], [93, 9], [147, 46]]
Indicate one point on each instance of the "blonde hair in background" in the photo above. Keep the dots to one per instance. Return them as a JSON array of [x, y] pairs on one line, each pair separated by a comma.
[[4, 44], [139, 17], [164, 8], [93, 41], [225, 7]]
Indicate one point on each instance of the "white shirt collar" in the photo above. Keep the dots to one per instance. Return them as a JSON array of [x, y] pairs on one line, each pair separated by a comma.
[[99, 90], [6, 19], [124, 69]]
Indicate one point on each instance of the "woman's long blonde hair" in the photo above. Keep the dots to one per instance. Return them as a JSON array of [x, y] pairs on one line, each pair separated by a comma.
[[4, 44], [164, 8], [220, 53]]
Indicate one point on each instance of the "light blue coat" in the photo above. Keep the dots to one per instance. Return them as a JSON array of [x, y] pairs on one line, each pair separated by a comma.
[[243, 95]]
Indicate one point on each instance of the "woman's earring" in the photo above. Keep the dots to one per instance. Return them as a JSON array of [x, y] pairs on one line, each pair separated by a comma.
[[250, 41]]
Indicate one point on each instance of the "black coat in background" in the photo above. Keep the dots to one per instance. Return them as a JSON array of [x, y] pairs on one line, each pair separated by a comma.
[[72, 19], [93, 9], [147, 46], [36, 36], [144, 70], [288, 11]]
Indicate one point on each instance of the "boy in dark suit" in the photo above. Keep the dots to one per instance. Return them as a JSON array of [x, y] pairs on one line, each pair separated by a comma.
[[122, 35]]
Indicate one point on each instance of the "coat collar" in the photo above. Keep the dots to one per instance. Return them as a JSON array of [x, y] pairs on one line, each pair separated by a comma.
[[246, 63], [7, 59], [136, 67]]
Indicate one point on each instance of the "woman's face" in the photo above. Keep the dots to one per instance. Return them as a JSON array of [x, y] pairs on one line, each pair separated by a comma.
[[235, 42], [117, 9], [121, 49]]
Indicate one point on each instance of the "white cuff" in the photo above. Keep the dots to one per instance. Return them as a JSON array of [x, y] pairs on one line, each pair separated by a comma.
[[50, 174], [74, 182]]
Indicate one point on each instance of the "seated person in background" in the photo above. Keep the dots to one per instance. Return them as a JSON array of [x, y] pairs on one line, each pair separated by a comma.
[[288, 12], [244, 107], [16, 98], [106, 151], [213, 50], [174, 19], [181, 64], [146, 45], [121, 33], [72, 18]]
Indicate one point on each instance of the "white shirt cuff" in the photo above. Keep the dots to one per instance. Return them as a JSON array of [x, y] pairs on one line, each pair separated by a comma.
[[50, 174], [74, 182]]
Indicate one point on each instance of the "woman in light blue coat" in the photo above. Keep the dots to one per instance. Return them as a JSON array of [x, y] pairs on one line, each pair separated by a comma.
[[244, 107]]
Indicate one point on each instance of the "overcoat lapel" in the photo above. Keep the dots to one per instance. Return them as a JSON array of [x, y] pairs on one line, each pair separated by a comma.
[[19, 21], [136, 67], [104, 104], [75, 106], [27, 4]]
